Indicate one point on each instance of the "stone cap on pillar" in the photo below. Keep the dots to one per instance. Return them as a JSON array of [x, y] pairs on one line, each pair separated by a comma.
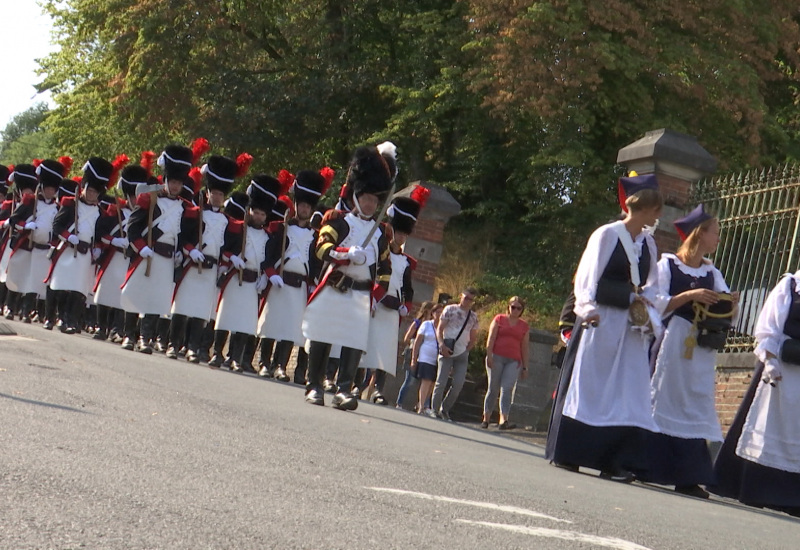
[[669, 153], [441, 205]]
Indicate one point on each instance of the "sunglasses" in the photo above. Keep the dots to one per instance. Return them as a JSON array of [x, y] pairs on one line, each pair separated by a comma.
[[516, 307]]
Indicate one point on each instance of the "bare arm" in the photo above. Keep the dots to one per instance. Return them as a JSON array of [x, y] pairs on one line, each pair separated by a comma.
[[410, 333], [440, 338], [415, 350]]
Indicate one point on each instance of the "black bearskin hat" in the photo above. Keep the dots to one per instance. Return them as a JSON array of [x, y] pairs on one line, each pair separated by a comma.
[[24, 177], [264, 191], [130, 178], [369, 173], [175, 162], [50, 173], [236, 205], [96, 174], [219, 173]]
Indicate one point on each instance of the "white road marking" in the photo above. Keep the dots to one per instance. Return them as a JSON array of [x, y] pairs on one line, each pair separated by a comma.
[[607, 542], [477, 504]]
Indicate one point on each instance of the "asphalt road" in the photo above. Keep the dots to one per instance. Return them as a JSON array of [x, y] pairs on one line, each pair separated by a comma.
[[104, 448]]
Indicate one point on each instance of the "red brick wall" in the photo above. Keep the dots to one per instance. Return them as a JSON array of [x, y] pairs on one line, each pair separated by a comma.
[[674, 190], [731, 387], [429, 230], [667, 241], [425, 271]]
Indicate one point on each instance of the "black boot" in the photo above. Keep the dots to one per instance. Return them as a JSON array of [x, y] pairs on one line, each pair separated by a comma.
[[196, 329], [40, 310], [250, 345], [236, 350], [317, 361], [265, 358], [116, 325], [301, 367], [220, 337], [103, 313], [380, 381], [177, 333], [131, 330], [161, 337], [147, 334], [74, 312], [28, 306], [206, 341], [49, 309], [282, 353], [348, 364], [12, 302]]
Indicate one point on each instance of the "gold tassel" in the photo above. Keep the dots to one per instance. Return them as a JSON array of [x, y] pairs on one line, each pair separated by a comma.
[[690, 343]]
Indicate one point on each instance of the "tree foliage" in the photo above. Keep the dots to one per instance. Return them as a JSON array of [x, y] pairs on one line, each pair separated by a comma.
[[517, 106], [23, 138]]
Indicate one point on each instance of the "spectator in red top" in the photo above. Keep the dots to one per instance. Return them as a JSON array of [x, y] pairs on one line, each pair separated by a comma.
[[506, 359]]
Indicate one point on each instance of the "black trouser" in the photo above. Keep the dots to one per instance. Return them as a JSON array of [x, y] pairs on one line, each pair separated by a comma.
[[131, 325], [74, 304], [50, 305], [301, 367], [348, 364], [28, 304], [250, 345], [104, 315], [220, 337], [282, 353], [162, 330], [3, 294], [318, 354], [236, 348], [177, 331], [196, 328], [148, 326], [207, 338], [117, 321], [380, 379], [12, 301]]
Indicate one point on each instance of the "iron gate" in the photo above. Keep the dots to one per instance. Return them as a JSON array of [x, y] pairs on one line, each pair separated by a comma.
[[759, 225]]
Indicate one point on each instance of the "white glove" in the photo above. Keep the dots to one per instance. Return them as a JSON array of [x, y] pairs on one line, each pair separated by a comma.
[[402, 310], [772, 371], [31, 226], [119, 242], [73, 240], [4, 224], [276, 281], [146, 252], [261, 283], [96, 253], [357, 255], [197, 256], [237, 262]]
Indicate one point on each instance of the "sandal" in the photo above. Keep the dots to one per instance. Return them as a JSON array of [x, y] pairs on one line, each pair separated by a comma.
[[507, 426]]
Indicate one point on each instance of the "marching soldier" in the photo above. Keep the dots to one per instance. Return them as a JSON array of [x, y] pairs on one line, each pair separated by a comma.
[[244, 251], [196, 290], [153, 232], [292, 267], [5, 213], [358, 256], [33, 220], [113, 231], [389, 309], [75, 226], [25, 181]]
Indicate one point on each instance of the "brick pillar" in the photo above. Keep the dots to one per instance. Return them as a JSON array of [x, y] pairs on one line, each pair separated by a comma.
[[425, 244], [678, 161]]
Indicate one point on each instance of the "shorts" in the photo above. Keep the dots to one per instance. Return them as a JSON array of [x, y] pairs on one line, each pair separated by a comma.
[[426, 371]]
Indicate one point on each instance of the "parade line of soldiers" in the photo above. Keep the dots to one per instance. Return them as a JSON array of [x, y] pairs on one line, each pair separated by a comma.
[[182, 265]]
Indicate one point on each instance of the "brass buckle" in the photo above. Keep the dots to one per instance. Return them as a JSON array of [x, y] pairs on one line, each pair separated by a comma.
[[337, 280]]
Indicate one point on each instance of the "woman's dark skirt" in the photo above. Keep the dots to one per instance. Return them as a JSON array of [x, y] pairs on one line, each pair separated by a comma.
[[604, 448], [677, 461], [748, 482]]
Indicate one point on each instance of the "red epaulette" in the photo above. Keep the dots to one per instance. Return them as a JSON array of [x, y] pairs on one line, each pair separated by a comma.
[[67, 201], [111, 210], [274, 227], [143, 200], [28, 199], [191, 211], [412, 261]]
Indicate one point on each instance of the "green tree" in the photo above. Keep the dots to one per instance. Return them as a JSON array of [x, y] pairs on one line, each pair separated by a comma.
[[24, 139]]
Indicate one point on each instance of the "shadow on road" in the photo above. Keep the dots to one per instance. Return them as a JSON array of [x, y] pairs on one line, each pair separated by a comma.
[[43, 404]]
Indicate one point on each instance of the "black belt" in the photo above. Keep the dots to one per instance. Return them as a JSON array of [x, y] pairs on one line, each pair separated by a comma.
[[164, 249], [293, 279], [392, 302], [83, 247], [39, 246], [249, 275], [343, 283], [209, 262]]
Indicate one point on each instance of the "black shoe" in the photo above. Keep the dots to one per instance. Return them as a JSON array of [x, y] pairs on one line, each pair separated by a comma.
[[115, 338], [171, 353], [315, 397], [159, 347], [280, 375], [26, 320], [236, 367], [203, 357], [329, 386], [485, 425], [127, 344], [619, 475], [566, 466], [192, 357], [100, 335], [692, 491], [444, 415], [70, 330], [215, 362], [344, 402], [183, 351], [379, 399], [355, 393], [144, 347], [507, 426], [48, 325], [226, 364]]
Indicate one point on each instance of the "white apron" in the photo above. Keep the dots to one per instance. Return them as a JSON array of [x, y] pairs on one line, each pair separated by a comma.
[[238, 306], [75, 272], [384, 326]]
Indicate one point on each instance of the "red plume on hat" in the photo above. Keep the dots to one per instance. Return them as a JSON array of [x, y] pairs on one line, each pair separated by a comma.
[[197, 178], [286, 179], [116, 166], [66, 162], [36, 162], [243, 163], [77, 179], [200, 147], [343, 191], [328, 174], [147, 162], [289, 204], [420, 194]]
